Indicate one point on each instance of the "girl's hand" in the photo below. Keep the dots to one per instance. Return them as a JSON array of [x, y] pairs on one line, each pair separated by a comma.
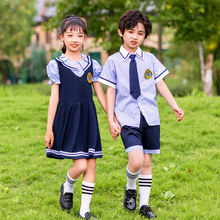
[[113, 128], [49, 139], [179, 113]]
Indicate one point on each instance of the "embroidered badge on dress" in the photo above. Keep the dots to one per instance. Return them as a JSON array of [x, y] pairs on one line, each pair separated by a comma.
[[89, 77]]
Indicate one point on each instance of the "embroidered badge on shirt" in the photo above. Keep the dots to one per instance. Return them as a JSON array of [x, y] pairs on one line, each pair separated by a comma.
[[89, 77], [147, 74]]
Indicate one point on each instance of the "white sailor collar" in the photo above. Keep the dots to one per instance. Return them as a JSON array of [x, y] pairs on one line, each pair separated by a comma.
[[84, 62], [125, 54]]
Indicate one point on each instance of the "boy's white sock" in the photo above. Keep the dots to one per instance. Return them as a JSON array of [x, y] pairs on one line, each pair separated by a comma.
[[87, 191], [131, 179], [69, 184], [144, 189]]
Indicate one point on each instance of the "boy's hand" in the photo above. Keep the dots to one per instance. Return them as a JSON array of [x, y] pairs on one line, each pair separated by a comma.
[[49, 139], [179, 113], [117, 124]]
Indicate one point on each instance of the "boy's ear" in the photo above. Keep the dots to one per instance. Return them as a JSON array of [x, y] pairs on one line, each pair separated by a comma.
[[120, 33]]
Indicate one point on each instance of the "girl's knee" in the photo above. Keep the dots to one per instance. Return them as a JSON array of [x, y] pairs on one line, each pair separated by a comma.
[[81, 165]]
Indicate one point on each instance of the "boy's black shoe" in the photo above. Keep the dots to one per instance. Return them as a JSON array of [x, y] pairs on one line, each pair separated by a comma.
[[147, 212], [88, 215], [66, 200], [130, 199]]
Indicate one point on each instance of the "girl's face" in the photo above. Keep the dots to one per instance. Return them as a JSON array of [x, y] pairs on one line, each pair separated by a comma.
[[73, 39], [133, 38]]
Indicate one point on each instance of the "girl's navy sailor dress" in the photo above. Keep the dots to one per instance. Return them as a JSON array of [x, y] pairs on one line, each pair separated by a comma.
[[75, 127]]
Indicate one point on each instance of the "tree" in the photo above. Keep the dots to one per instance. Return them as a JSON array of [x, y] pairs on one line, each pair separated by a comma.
[[16, 20], [102, 18], [198, 21]]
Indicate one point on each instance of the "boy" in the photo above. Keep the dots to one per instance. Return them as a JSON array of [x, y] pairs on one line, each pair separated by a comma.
[[131, 76]]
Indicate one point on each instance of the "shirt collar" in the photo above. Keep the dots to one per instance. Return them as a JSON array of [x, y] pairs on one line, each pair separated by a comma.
[[125, 54], [84, 62]]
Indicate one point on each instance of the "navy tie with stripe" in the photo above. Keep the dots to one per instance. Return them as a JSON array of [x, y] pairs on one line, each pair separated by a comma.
[[134, 82]]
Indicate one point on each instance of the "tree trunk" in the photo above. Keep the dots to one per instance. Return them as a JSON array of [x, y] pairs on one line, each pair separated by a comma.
[[202, 65], [160, 52], [206, 71], [208, 75]]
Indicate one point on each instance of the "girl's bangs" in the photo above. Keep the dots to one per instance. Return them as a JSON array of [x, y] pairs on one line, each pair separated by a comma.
[[75, 25]]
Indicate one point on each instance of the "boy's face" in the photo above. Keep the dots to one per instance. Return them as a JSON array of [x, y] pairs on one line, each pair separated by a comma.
[[133, 38]]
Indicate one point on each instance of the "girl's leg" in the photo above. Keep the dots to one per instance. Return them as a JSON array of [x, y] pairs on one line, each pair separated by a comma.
[[79, 167], [66, 190], [145, 179], [88, 185]]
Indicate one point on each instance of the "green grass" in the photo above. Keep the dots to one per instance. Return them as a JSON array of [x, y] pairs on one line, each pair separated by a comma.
[[185, 174]]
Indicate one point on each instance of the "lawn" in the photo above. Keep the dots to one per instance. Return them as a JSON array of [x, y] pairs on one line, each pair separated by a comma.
[[185, 174]]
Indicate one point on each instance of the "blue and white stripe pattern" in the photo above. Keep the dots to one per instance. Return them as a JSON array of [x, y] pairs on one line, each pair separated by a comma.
[[74, 155]]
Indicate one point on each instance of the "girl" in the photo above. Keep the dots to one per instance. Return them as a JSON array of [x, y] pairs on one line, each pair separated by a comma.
[[72, 127]]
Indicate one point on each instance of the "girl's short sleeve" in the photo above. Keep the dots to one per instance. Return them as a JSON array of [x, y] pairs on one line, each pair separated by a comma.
[[96, 70], [53, 72]]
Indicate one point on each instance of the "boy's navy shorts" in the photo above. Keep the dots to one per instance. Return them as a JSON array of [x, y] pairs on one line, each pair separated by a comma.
[[146, 138]]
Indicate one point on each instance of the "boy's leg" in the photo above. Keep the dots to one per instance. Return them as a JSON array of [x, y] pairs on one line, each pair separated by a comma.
[[145, 180], [67, 188], [136, 159], [135, 163], [88, 185]]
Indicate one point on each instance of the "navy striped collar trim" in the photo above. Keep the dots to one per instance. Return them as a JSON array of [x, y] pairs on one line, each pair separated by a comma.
[[125, 54], [84, 62]]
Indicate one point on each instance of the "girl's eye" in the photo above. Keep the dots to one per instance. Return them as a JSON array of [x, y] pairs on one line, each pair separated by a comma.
[[81, 35], [69, 35]]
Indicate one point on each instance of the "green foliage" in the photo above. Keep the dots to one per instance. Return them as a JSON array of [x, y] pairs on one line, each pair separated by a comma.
[[37, 64], [7, 71], [185, 174], [184, 60], [102, 18], [16, 20], [193, 19]]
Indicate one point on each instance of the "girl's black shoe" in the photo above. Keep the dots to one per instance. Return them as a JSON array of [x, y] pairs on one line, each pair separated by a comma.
[[66, 200], [147, 212]]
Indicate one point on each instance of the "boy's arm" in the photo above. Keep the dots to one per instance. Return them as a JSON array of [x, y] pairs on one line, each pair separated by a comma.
[[165, 92], [114, 129], [54, 99]]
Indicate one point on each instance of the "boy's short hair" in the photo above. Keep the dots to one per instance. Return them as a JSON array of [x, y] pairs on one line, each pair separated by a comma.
[[130, 19]]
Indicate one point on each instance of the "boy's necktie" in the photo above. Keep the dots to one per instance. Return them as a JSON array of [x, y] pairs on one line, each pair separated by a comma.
[[134, 82]]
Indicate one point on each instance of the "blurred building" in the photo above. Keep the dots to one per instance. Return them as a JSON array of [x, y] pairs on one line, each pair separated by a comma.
[[50, 39]]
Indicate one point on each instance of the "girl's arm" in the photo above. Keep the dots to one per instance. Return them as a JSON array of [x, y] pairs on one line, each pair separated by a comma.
[[100, 94], [165, 92], [54, 99], [102, 100], [113, 125]]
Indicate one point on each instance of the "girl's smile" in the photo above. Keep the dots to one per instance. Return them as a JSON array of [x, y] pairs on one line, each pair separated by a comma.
[[73, 39]]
